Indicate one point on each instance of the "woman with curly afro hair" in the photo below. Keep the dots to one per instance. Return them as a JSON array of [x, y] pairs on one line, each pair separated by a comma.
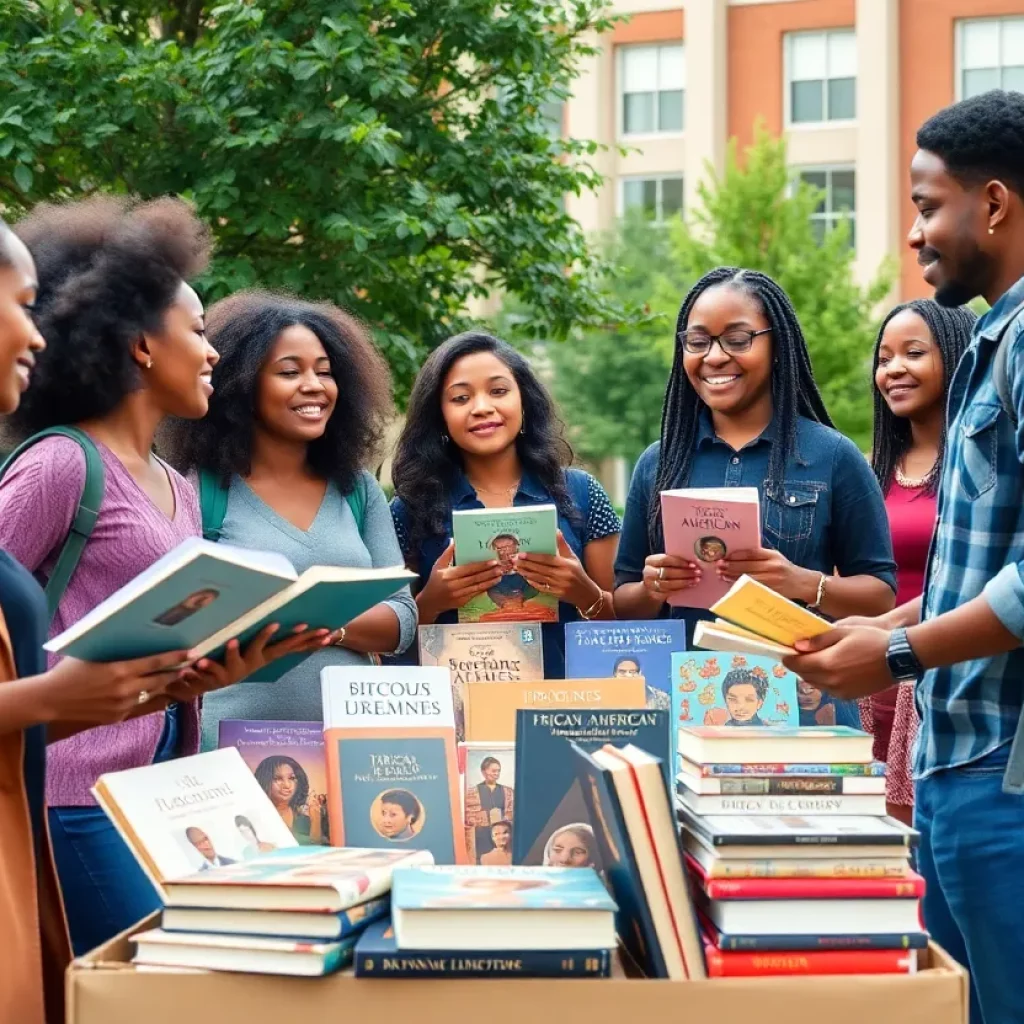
[[125, 348], [301, 399]]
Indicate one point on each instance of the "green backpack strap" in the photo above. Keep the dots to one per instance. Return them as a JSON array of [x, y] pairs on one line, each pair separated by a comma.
[[85, 515], [356, 499], [213, 503]]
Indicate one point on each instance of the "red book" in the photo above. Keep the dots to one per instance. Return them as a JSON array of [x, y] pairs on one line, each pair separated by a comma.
[[909, 887], [857, 961]]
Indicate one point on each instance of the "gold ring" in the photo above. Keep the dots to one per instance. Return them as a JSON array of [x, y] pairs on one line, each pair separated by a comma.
[[143, 696], [657, 584]]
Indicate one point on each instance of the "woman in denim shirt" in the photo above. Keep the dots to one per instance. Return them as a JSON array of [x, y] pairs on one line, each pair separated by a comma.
[[742, 410], [481, 432]]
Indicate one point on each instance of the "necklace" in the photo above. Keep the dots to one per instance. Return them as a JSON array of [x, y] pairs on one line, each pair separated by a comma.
[[509, 494], [911, 483]]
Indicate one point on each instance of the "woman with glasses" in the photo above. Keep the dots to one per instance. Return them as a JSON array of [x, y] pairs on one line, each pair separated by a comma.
[[742, 410]]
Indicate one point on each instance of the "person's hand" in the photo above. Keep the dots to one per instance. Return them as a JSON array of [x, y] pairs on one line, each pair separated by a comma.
[[452, 586], [773, 569], [101, 693], [665, 575], [847, 662], [562, 575], [207, 675]]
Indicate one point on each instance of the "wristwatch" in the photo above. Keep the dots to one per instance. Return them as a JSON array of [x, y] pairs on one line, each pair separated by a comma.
[[901, 659]]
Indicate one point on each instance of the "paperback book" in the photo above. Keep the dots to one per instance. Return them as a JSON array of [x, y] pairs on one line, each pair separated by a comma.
[[788, 784], [703, 525], [812, 941], [500, 534], [482, 653], [865, 805], [798, 830], [488, 771], [624, 650], [785, 744], [287, 759]]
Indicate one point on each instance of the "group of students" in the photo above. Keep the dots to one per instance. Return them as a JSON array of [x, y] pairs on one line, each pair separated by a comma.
[[282, 404]]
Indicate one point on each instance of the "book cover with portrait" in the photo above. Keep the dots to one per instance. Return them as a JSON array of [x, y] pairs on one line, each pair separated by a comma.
[[500, 534], [623, 650], [488, 772], [552, 821], [482, 653], [288, 761], [395, 787], [703, 525]]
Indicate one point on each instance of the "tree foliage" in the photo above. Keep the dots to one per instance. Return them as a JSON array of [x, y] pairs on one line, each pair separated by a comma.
[[392, 156]]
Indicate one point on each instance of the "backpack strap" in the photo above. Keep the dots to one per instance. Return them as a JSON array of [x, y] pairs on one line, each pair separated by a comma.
[[85, 515], [356, 499], [1000, 369], [213, 504]]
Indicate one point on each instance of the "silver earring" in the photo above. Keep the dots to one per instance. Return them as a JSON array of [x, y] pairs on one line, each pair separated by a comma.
[[149, 362], [445, 439], [522, 429]]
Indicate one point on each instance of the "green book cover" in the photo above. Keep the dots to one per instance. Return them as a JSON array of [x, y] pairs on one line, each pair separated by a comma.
[[502, 533]]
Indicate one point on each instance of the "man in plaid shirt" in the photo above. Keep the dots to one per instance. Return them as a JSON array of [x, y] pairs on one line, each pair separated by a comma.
[[960, 644]]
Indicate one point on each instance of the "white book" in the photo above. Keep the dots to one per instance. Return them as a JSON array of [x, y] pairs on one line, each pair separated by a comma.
[[373, 696], [721, 636], [836, 803]]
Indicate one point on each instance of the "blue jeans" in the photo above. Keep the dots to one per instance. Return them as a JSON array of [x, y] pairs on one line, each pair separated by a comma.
[[105, 891], [972, 859]]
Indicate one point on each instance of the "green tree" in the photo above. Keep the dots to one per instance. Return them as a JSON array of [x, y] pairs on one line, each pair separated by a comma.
[[395, 157]]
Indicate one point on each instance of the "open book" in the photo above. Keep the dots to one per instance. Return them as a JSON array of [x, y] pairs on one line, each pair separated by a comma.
[[754, 619], [201, 595]]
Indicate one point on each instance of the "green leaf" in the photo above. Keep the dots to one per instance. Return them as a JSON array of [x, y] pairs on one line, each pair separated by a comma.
[[23, 177]]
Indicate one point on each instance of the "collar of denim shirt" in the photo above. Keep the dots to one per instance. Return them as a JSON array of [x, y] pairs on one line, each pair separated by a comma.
[[706, 431], [530, 492], [989, 326]]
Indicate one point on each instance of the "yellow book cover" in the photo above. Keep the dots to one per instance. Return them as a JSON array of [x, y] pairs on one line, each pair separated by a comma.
[[753, 606], [491, 707]]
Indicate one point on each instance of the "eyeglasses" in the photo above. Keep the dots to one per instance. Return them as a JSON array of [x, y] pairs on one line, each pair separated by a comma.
[[698, 343]]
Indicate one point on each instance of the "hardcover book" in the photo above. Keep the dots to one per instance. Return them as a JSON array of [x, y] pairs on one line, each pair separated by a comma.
[[439, 907], [798, 830], [500, 534], [315, 880], [482, 653], [488, 771], [764, 964], [703, 525], [492, 707], [790, 744], [191, 814], [624, 650], [287, 759], [871, 769], [552, 824], [865, 805], [378, 956], [375, 696]]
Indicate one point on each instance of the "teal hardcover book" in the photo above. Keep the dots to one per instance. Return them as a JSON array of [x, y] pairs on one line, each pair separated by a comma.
[[486, 534]]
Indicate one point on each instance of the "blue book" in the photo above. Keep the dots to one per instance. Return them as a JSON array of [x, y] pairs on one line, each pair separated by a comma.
[[552, 826], [201, 595], [634, 922], [440, 907], [605, 650], [378, 956]]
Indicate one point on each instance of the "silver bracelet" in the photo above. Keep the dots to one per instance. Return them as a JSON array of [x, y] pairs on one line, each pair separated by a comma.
[[821, 593]]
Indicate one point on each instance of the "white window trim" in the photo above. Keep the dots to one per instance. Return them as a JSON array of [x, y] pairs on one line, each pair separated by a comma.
[[958, 46], [787, 119], [620, 191], [620, 132], [800, 169]]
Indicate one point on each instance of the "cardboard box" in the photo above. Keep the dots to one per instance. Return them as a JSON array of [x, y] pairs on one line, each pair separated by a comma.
[[104, 988]]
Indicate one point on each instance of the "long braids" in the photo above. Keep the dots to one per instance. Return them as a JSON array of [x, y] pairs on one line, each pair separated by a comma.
[[950, 329], [794, 392]]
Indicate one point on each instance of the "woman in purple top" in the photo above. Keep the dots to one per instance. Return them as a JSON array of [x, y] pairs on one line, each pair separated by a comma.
[[125, 349]]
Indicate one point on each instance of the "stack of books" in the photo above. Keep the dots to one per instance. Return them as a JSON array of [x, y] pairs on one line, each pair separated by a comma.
[[795, 868], [488, 922], [291, 912]]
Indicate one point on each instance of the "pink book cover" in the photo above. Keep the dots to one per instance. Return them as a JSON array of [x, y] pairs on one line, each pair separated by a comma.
[[703, 525]]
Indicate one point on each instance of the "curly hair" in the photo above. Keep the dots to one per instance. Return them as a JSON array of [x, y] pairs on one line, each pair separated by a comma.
[[108, 269], [265, 777], [243, 328], [794, 392], [426, 468], [980, 138], [950, 328], [746, 677]]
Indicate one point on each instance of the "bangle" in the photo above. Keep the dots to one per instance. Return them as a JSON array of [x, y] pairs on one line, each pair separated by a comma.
[[339, 638], [594, 609], [821, 593]]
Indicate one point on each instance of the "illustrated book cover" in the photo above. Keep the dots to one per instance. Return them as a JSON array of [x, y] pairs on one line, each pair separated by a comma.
[[488, 772]]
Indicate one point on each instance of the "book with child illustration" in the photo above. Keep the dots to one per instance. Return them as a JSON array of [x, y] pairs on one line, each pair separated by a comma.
[[705, 524], [201, 595], [500, 534]]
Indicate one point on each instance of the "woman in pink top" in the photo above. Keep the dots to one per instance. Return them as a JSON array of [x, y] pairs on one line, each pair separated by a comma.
[[919, 346], [125, 349]]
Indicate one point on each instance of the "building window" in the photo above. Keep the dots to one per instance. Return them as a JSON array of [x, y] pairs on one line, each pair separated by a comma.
[[990, 55], [660, 198], [821, 76], [838, 201], [652, 82]]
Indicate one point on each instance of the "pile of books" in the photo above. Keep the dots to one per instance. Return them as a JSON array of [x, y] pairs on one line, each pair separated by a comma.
[[487, 922], [795, 868], [295, 911]]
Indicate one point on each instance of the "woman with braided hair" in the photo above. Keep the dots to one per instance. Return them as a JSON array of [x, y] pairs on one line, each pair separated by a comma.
[[742, 410]]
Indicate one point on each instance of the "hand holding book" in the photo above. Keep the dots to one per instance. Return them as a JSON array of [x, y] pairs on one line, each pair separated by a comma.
[[451, 586], [665, 575], [847, 662], [773, 569], [562, 574]]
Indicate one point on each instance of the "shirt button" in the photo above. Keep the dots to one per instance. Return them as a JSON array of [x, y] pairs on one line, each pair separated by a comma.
[[735, 460], [792, 499]]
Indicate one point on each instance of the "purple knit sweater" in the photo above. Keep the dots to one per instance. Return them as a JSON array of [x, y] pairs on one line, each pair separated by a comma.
[[38, 499]]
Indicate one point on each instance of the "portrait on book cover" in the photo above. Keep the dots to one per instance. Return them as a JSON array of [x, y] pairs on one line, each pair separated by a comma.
[[207, 846], [571, 846], [297, 789], [710, 549], [489, 799], [737, 691], [397, 815], [185, 609]]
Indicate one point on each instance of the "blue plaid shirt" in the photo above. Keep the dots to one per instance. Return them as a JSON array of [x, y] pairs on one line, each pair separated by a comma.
[[971, 709]]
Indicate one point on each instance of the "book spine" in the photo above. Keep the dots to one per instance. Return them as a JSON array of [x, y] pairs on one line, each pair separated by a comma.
[[875, 768], [806, 869], [764, 964], [811, 943], [870, 804], [534, 964], [793, 785], [911, 887], [357, 918], [896, 840]]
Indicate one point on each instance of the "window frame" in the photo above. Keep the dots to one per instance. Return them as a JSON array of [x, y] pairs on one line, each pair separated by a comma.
[[830, 217], [620, 92], [659, 197], [958, 47], [787, 81]]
